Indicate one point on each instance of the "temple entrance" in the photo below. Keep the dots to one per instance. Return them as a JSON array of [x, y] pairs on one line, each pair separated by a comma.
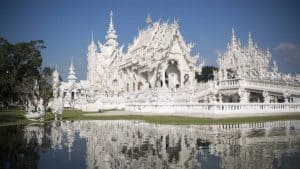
[[232, 98], [256, 97], [172, 75], [72, 95]]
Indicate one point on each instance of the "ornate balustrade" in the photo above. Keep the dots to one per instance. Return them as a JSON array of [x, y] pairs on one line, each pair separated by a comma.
[[230, 83], [228, 109], [272, 86]]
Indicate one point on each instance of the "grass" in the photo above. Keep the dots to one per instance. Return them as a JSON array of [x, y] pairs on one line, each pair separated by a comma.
[[16, 116]]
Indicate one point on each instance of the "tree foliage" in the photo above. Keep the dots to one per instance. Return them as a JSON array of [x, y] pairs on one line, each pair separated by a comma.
[[206, 74], [20, 69]]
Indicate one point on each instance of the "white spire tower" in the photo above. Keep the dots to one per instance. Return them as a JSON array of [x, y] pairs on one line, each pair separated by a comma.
[[111, 37], [72, 75]]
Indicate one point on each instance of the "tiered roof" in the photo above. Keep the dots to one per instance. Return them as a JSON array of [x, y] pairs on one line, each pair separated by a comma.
[[154, 43]]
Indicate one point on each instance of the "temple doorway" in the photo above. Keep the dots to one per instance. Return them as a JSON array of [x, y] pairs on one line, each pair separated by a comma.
[[72, 95], [172, 75]]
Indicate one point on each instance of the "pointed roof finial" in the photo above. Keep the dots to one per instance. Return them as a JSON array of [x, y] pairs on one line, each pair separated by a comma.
[[72, 63], [111, 36], [250, 42], [72, 75], [92, 36], [176, 22], [111, 24], [234, 42], [233, 33], [92, 45], [148, 19]]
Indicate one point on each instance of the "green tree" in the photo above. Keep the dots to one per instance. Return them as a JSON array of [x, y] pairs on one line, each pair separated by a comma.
[[20, 71], [206, 74], [7, 73]]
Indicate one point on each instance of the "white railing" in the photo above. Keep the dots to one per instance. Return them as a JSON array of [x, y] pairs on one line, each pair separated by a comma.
[[230, 83], [271, 86], [214, 109]]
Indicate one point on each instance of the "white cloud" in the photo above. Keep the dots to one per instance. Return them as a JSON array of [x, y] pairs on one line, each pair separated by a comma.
[[289, 52]]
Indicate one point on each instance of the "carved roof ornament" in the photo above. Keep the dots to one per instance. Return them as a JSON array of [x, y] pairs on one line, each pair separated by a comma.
[[176, 23], [274, 67], [148, 20]]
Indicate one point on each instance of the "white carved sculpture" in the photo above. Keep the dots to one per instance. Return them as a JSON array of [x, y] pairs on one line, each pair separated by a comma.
[[34, 107], [266, 97], [57, 103], [286, 95], [41, 107], [173, 81]]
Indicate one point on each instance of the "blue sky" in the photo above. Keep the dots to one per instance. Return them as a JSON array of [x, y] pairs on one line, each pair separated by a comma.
[[66, 26]]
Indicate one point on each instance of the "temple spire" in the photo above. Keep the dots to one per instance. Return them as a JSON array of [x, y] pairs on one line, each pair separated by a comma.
[[111, 37], [72, 75]]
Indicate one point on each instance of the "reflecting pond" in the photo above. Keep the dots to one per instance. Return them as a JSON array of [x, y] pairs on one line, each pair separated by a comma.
[[134, 144]]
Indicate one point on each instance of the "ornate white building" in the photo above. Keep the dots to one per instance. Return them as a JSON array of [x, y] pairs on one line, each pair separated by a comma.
[[157, 72]]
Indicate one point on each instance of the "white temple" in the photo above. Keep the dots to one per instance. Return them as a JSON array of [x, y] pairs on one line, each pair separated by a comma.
[[157, 74]]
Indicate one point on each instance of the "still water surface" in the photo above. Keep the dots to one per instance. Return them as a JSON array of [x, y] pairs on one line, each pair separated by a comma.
[[132, 144]]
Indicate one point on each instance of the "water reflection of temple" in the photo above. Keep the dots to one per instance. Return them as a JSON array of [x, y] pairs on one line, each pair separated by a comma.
[[132, 144]]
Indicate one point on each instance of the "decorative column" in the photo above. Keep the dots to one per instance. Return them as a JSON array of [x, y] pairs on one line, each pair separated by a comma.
[[163, 75], [220, 97], [181, 78], [247, 96], [163, 78]]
